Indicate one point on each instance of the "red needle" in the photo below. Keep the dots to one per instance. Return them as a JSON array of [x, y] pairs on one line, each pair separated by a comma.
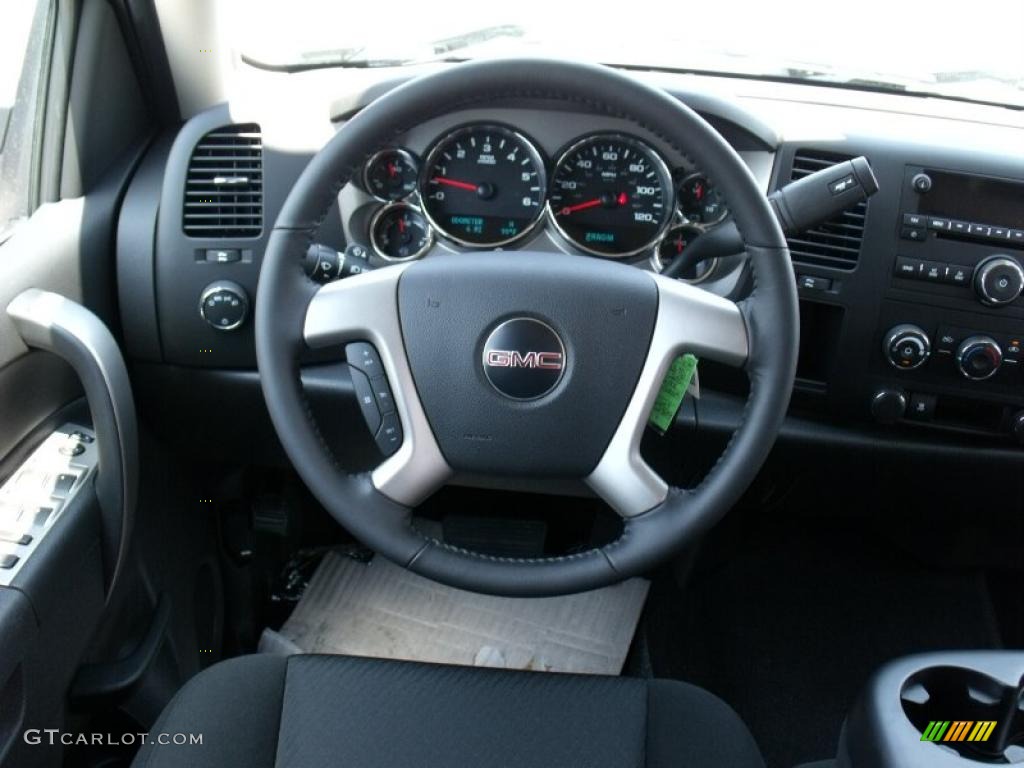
[[401, 226], [454, 183], [580, 206]]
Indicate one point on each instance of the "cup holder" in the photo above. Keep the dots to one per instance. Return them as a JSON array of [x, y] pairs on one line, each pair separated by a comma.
[[968, 712]]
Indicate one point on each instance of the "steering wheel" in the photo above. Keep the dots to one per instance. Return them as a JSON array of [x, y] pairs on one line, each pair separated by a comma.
[[524, 364]]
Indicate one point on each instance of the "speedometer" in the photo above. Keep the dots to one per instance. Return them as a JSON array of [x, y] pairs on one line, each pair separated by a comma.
[[483, 186], [611, 195]]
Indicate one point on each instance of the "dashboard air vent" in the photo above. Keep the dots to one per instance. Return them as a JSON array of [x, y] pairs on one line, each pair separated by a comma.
[[836, 243], [224, 185]]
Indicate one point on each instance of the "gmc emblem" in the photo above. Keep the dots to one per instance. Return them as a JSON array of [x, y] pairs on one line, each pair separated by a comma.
[[510, 358]]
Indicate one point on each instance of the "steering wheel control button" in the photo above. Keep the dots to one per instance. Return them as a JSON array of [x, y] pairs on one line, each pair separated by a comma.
[[907, 347], [979, 358], [224, 305], [999, 281], [524, 359], [365, 397], [389, 436], [362, 356], [382, 394]]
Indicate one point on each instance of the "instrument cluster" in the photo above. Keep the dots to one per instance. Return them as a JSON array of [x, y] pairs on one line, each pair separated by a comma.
[[488, 185]]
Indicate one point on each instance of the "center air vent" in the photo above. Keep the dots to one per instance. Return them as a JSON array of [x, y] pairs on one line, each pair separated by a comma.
[[224, 186], [836, 243]]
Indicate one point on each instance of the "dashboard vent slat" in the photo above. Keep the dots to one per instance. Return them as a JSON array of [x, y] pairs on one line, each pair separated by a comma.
[[224, 184], [836, 244]]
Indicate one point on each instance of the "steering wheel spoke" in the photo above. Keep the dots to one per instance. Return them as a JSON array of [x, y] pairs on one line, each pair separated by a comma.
[[689, 320], [365, 308]]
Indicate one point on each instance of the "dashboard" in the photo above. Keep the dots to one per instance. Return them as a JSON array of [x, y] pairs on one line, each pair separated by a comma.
[[486, 185], [912, 316], [526, 179]]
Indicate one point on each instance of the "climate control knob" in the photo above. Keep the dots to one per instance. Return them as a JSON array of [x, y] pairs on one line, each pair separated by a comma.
[[979, 357], [906, 347], [224, 305], [999, 280]]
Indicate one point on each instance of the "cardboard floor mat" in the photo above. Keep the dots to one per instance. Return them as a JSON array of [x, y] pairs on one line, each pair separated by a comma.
[[378, 609]]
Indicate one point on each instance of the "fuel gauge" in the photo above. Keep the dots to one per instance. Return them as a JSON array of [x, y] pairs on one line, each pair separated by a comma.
[[391, 174], [399, 232]]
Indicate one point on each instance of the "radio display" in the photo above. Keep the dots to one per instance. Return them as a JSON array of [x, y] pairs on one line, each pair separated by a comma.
[[975, 199]]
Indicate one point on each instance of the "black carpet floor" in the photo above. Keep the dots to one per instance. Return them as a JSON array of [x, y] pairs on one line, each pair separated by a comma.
[[790, 625]]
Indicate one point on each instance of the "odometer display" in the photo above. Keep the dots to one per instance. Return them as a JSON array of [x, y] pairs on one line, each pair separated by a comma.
[[483, 186], [611, 195]]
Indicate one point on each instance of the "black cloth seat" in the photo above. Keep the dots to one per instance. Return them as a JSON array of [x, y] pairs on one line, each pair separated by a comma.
[[337, 711]]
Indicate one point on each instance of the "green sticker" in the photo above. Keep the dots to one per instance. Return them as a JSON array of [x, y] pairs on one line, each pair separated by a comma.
[[673, 390]]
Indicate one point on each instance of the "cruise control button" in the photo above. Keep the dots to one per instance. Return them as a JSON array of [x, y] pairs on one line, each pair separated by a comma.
[[382, 392], [8, 561], [363, 355], [367, 402], [389, 436], [922, 407]]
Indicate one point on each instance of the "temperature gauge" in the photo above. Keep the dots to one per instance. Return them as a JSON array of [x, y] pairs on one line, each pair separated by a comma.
[[676, 241], [700, 202], [399, 232], [391, 175]]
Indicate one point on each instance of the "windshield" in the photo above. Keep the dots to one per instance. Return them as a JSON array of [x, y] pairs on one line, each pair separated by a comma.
[[967, 50]]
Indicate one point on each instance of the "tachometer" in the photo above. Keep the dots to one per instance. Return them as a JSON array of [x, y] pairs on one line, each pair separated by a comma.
[[611, 195], [483, 186]]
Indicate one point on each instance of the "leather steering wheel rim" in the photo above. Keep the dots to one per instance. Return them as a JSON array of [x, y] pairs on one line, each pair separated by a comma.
[[285, 297]]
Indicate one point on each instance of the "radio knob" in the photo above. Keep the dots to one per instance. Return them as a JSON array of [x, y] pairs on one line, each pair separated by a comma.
[[906, 347], [224, 305], [979, 357], [999, 280]]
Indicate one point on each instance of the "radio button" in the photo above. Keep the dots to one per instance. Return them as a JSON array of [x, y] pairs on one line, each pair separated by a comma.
[[1017, 236], [934, 272], [981, 230], [913, 220], [960, 227], [908, 268], [998, 233], [917, 234], [938, 224], [958, 275]]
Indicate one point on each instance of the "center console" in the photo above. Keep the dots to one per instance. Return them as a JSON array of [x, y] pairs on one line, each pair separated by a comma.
[[951, 322]]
